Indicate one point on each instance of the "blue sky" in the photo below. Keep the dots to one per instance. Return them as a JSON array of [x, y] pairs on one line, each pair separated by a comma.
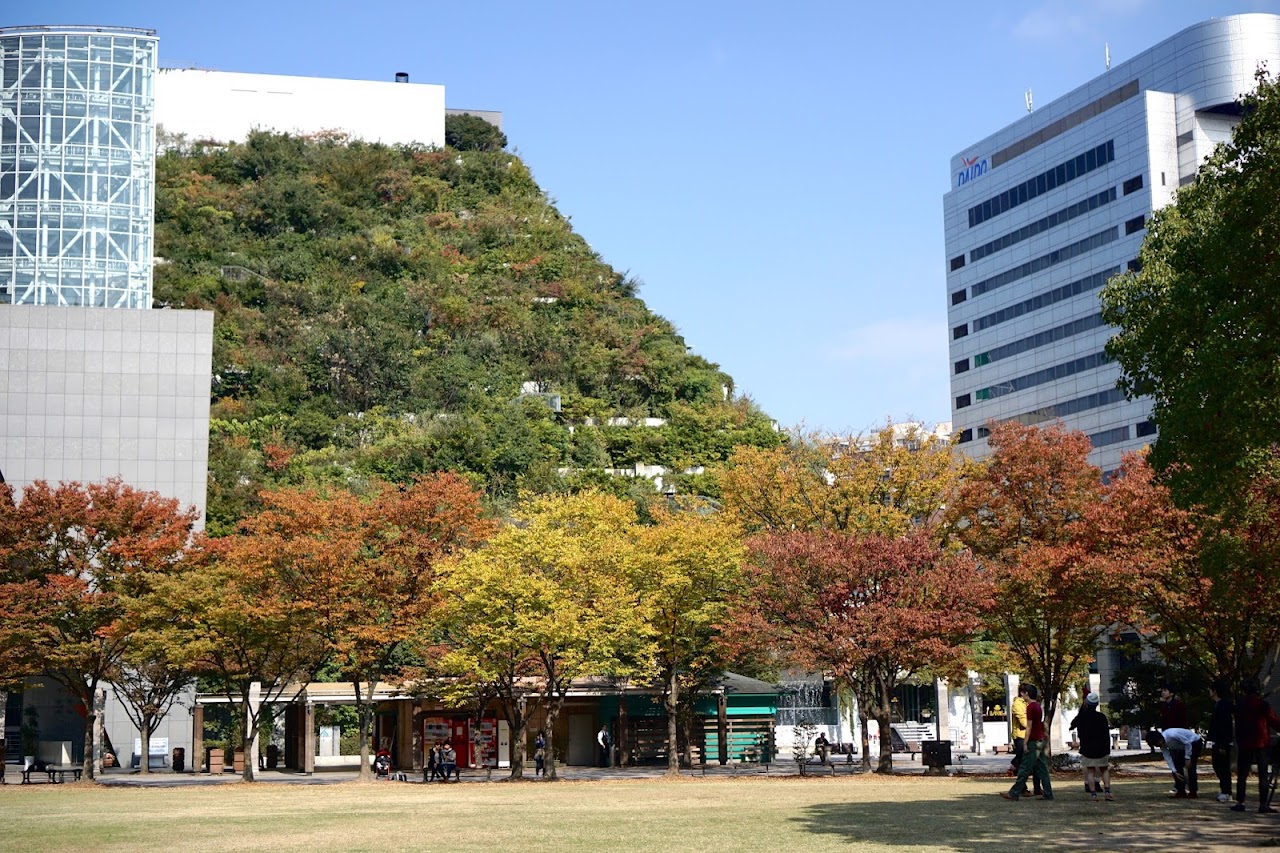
[[772, 172]]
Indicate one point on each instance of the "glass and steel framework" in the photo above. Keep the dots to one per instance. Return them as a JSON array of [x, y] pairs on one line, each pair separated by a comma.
[[77, 165]]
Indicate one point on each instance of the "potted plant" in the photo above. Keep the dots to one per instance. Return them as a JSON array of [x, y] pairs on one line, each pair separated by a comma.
[[29, 735]]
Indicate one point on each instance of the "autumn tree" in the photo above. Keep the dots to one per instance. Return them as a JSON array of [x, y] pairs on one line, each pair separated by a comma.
[[692, 566], [887, 482], [148, 682], [578, 612], [238, 617], [869, 609], [1196, 326], [1039, 521], [1217, 607], [74, 553]]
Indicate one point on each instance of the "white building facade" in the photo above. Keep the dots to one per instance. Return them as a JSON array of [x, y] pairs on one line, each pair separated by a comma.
[[1041, 213], [224, 106]]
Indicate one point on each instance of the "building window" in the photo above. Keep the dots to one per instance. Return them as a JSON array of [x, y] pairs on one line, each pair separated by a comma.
[[962, 365], [1051, 179], [957, 262], [1043, 262], [966, 436], [1026, 232], [960, 331], [1110, 436], [1134, 225], [1134, 265], [1146, 428], [963, 401], [1044, 300], [959, 296], [1133, 185]]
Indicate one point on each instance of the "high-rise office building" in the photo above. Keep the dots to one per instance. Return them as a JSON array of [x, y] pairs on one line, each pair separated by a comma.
[[1041, 213], [77, 165]]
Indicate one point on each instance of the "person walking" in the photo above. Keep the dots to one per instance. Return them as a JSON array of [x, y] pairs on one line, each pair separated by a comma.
[[1095, 747], [1221, 736], [603, 738], [1181, 749], [1018, 714], [1034, 762], [1254, 720]]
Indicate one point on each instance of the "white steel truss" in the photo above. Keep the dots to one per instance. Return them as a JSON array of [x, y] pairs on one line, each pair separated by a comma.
[[77, 165]]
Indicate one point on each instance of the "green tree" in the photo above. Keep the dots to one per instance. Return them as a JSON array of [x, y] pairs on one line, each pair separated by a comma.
[[1197, 322], [467, 132]]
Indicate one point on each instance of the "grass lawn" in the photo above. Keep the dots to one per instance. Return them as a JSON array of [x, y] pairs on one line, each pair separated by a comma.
[[862, 813]]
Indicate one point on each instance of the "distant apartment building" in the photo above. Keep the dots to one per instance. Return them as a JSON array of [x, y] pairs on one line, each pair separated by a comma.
[[1042, 212]]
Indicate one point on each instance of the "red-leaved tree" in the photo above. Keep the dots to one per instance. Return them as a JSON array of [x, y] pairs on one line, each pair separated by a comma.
[[870, 610]]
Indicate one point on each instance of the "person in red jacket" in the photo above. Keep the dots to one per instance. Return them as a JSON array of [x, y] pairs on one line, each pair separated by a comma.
[[1255, 719]]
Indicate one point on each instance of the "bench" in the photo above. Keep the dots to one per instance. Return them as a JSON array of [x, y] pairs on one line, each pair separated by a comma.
[[56, 774], [911, 747], [1002, 749]]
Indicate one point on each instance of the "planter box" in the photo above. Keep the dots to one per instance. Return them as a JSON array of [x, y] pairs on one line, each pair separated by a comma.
[[215, 761]]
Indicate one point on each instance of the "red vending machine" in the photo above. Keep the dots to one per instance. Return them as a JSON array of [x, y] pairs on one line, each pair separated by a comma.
[[460, 737]]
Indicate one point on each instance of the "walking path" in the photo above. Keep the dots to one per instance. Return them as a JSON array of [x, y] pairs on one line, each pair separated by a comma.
[[1144, 763]]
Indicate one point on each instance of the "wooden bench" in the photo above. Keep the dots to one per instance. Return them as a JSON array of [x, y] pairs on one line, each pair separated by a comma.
[[1002, 749], [912, 748]]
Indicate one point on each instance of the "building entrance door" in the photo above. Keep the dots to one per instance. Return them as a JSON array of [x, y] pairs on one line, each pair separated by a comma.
[[582, 740]]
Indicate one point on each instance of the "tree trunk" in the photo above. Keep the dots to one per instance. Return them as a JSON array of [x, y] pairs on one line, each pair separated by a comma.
[[884, 711], [864, 719], [89, 732], [673, 698], [250, 742], [687, 720], [553, 713], [521, 726], [364, 717], [144, 764]]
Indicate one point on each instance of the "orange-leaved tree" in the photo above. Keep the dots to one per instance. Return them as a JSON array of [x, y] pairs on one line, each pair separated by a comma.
[[73, 555], [1066, 552], [870, 610]]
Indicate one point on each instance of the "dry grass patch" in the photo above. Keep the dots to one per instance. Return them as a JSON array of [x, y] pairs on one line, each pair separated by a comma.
[[861, 813]]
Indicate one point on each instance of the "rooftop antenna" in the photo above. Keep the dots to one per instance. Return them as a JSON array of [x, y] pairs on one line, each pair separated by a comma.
[[1026, 96], [1106, 49]]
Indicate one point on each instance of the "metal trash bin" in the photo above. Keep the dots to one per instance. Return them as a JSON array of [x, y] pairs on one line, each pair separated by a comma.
[[179, 759], [935, 753]]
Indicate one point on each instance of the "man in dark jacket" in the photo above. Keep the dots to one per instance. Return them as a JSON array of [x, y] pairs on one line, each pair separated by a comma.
[[1221, 735], [1095, 746], [1254, 720], [1173, 711]]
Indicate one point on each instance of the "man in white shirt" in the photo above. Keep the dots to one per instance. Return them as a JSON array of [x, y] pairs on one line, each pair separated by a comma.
[[1181, 749]]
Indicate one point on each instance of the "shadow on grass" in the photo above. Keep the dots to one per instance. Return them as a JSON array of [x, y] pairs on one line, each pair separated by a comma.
[[1142, 818]]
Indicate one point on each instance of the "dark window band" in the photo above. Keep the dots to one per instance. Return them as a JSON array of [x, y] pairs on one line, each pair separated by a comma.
[[1048, 336], [1057, 256], [1040, 377], [1070, 407], [1081, 164], [1043, 300], [1026, 232], [1110, 436], [1068, 121]]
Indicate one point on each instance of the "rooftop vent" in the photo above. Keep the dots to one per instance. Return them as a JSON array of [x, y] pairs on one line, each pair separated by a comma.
[[402, 76]]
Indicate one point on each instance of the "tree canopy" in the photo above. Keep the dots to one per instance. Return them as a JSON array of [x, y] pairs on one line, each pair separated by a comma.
[[1197, 323], [387, 312]]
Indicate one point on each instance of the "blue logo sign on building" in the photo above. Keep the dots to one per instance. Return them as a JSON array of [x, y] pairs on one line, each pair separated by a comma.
[[974, 167]]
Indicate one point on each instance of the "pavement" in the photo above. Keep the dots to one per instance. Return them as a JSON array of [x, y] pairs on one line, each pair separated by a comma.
[[1141, 762]]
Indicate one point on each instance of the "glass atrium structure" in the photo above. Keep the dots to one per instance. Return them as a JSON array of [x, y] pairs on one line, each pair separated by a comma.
[[77, 165]]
